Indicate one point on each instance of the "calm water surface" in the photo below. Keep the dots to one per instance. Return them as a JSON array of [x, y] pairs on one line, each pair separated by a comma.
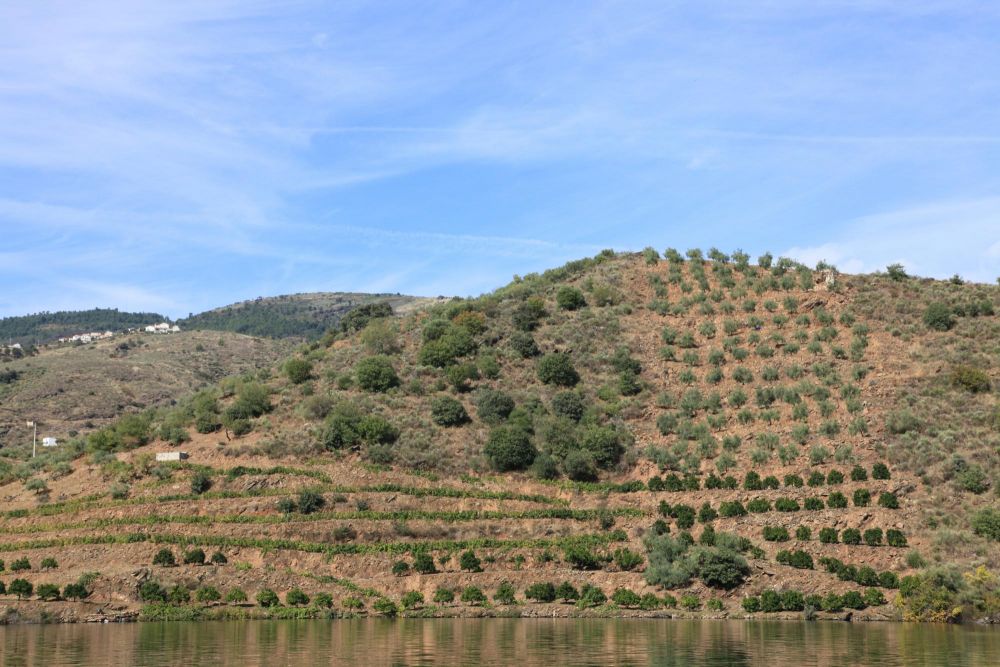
[[521, 642]]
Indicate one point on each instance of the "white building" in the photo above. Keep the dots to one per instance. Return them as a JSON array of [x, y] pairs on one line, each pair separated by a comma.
[[49, 442], [171, 456], [162, 328]]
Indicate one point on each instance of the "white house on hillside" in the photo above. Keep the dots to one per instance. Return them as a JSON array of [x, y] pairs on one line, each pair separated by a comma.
[[162, 328]]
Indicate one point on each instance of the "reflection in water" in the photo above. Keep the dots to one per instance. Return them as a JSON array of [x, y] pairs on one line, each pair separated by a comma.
[[521, 642]]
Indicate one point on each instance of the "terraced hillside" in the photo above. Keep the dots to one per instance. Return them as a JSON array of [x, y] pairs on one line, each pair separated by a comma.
[[624, 435]]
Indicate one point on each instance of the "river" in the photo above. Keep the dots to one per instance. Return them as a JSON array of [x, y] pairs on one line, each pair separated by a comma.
[[521, 642]]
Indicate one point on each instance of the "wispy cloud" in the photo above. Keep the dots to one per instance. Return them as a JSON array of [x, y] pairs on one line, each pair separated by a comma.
[[925, 239], [193, 152]]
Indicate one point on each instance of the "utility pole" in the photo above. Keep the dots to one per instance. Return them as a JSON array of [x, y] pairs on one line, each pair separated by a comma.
[[34, 437]]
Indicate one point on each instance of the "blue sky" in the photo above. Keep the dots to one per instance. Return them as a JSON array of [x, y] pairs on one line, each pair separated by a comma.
[[183, 154]]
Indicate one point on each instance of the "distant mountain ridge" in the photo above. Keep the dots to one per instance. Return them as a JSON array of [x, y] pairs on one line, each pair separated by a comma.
[[305, 315], [45, 327]]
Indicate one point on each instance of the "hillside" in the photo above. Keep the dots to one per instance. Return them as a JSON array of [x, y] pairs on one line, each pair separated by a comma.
[[41, 328], [625, 435], [71, 389], [308, 315]]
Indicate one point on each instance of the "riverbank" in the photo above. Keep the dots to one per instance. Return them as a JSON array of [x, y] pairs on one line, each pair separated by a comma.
[[49, 612]]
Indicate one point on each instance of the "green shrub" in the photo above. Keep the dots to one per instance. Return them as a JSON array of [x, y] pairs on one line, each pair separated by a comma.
[[151, 591], [895, 538], [236, 596], [75, 591], [386, 607], [753, 482], [546, 592], [164, 557], [786, 505], [579, 557], [852, 600], [494, 406], [938, 316], [469, 562], [604, 443], [461, 375], [873, 537], [624, 597], [568, 404], [505, 594], [972, 478], [759, 505], [591, 596], [22, 588], [179, 595], [194, 557], [268, 598], [423, 563], [986, 522], [376, 374], [690, 602], [567, 592], [971, 379], [880, 471], [803, 533], [888, 500], [509, 448], [443, 595], [776, 534], [298, 370], [447, 411], [48, 563], [524, 344], [627, 560], [813, 503], [730, 508], [557, 369], [851, 536], [310, 501], [412, 599], [836, 500], [200, 482], [832, 602], [902, 421], [47, 591], [580, 466], [828, 535], [649, 602], [862, 498], [473, 596], [751, 604], [796, 559], [570, 298], [207, 594]]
